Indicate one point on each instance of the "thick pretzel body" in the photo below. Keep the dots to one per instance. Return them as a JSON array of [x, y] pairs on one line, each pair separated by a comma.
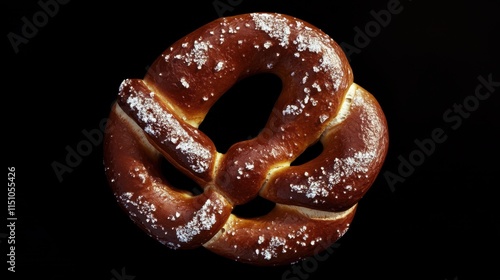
[[159, 116]]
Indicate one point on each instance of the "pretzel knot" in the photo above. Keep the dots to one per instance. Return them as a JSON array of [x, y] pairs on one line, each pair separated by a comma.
[[315, 202]]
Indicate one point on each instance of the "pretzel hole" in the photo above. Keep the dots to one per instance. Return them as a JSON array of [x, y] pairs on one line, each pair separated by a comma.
[[242, 112], [309, 154], [177, 179], [256, 207]]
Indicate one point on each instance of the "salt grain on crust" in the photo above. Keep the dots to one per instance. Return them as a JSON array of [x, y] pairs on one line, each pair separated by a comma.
[[139, 206], [278, 244], [312, 42], [322, 185], [198, 54], [184, 82], [275, 26], [219, 66], [272, 248], [203, 219]]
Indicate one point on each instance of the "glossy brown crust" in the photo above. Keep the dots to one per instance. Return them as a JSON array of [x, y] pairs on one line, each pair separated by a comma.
[[158, 117]]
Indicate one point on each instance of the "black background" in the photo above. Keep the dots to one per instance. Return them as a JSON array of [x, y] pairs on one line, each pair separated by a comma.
[[439, 222]]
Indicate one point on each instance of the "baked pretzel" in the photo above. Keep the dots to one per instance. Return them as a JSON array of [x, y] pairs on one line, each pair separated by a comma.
[[315, 202]]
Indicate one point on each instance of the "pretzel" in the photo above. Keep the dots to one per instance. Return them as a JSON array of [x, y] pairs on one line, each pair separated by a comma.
[[158, 117]]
